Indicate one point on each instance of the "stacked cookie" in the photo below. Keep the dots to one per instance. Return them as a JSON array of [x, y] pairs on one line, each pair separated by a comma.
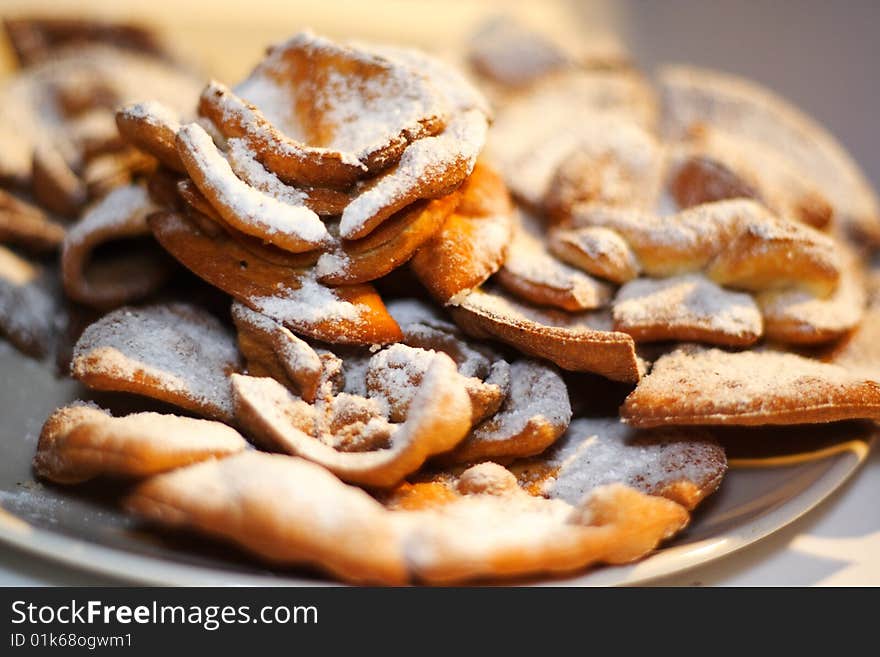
[[330, 165], [407, 328]]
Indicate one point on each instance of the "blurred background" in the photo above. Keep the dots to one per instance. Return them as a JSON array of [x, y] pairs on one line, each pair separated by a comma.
[[819, 54]]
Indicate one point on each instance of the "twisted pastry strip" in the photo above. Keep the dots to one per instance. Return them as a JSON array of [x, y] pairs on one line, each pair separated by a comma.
[[737, 243]]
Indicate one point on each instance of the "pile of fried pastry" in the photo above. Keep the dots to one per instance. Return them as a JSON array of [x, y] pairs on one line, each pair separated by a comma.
[[387, 291]]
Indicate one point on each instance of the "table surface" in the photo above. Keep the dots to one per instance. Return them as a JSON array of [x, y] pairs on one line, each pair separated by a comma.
[[838, 543]]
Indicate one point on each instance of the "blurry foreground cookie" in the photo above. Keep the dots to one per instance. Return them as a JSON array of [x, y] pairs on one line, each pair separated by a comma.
[[81, 441], [289, 511], [28, 303]]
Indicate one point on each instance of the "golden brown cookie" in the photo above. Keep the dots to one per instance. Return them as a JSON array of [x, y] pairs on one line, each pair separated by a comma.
[[599, 251], [152, 127], [292, 227], [55, 185], [736, 243], [693, 385], [130, 268], [473, 242], [25, 225], [582, 342], [487, 374], [683, 465], [423, 398], [80, 442], [534, 414], [384, 161], [351, 314], [175, 353], [387, 247], [352, 136], [686, 308], [428, 167], [272, 350], [531, 273], [289, 511], [285, 510]]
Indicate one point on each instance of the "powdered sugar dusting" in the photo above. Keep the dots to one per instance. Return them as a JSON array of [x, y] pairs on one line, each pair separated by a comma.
[[475, 529], [459, 93], [235, 110], [424, 161], [268, 214], [244, 163], [683, 303], [332, 263], [407, 312], [155, 113], [702, 386], [361, 111], [187, 351], [602, 451], [537, 396], [121, 206], [394, 375], [311, 303]]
